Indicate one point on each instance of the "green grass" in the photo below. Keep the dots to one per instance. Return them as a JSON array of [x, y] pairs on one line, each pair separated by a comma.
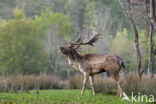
[[59, 97]]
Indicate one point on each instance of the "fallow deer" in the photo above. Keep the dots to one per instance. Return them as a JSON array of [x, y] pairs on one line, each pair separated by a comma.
[[91, 64]]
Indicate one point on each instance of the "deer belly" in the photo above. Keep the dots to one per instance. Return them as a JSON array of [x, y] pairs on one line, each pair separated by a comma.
[[98, 71], [97, 67]]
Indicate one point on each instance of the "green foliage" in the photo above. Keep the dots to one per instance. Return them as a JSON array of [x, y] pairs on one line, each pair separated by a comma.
[[22, 41], [122, 46], [76, 10], [90, 17], [18, 13], [79, 11], [57, 19], [36, 7], [117, 18], [21, 49], [104, 16]]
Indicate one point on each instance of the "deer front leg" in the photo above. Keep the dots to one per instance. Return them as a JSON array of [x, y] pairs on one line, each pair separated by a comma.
[[84, 82], [92, 83]]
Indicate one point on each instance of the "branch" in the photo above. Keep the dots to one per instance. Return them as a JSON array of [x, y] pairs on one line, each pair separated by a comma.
[[146, 9], [124, 11], [154, 51], [152, 9], [151, 15]]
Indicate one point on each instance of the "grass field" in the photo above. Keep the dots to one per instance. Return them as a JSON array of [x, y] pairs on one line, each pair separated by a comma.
[[59, 97]]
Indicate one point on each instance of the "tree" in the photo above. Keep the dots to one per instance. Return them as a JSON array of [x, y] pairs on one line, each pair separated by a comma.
[[128, 14], [31, 45], [151, 16], [57, 28], [21, 47], [6, 8], [123, 46], [76, 10]]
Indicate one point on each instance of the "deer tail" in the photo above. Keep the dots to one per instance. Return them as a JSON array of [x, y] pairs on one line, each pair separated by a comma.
[[122, 64]]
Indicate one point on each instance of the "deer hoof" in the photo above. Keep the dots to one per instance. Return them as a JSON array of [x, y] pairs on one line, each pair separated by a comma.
[[119, 95]]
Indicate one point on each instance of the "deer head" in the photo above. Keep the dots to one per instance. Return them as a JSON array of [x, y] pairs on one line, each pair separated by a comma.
[[70, 48]]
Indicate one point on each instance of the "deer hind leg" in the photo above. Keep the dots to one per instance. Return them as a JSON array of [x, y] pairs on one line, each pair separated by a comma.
[[92, 83], [119, 84], [119, 93], [84, 82]]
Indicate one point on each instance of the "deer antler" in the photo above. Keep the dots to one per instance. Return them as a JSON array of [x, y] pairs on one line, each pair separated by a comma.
[[90, 42], [79, 40], [80, 36]]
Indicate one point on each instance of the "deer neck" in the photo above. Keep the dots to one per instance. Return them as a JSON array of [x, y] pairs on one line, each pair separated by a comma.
[[74, 58]]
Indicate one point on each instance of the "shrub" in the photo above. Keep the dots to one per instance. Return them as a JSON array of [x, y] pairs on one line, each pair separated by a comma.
[[104, 85], [101, 84], [75, 82], [146, 85], [130, 83], [21, 82]]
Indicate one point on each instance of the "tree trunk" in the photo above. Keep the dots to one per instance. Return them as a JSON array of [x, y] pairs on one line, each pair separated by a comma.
[[151, 44], [151, 52], [137, 49], [136, 36]]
